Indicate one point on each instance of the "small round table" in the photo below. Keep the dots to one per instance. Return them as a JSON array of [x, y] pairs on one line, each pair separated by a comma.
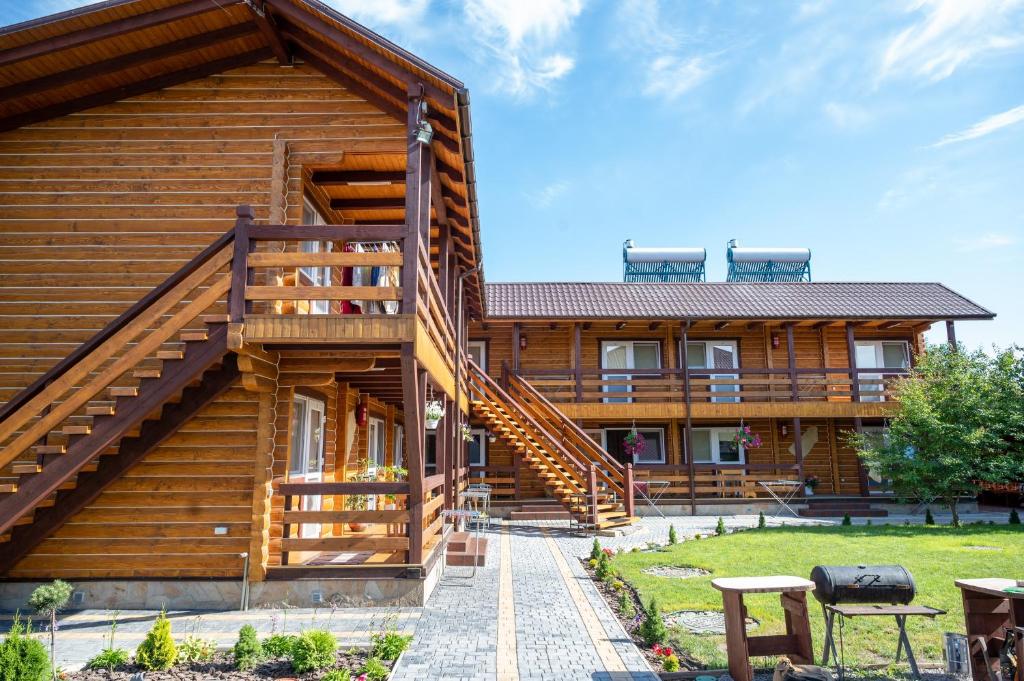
[[795, 643]]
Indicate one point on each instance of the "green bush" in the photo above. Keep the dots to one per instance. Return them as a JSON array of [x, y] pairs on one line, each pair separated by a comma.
[[109, 659], [847, 520], [761, 522], [157, 652], [673, 538], [23, 658], [604, 567], [720, 527], [195, 649], [375, 670], [247, 651], [388, 645], [279, 645], [626, 605], [929, 519], [595, 550], [652, 629], [671, 663], [315, 649], [337, 675], [1014, 517]]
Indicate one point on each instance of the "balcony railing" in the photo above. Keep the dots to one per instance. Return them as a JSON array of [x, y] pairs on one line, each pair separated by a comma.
[[615, 386]]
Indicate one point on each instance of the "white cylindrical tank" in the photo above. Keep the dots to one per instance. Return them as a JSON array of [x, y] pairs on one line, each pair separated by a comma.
[[635, 254]]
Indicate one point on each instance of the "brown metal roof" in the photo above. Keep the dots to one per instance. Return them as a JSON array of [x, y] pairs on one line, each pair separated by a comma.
[[726, 300]]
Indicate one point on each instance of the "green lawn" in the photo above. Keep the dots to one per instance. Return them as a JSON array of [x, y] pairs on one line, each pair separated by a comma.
[[934, 555]]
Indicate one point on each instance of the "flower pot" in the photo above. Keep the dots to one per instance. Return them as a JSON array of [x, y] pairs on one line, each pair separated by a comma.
[[808, 491], [356, 527], [432, 423]]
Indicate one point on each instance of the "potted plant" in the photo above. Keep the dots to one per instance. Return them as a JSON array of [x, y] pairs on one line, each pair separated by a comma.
[[433, 414], [466, 432], [356, 502], [746, 438], [634, 444], [810, 482]]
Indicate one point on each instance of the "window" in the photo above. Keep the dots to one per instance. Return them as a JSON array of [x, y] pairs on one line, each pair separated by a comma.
[[314, 276], [307, 437], [627, 355], [398, 454], [879, 355], [716, 445], [375, 435], [716, 355], [477, 350], [477, 448], [431, 450], [654, 450]]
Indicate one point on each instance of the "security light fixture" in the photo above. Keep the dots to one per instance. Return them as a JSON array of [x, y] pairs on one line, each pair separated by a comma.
[[424, 131]]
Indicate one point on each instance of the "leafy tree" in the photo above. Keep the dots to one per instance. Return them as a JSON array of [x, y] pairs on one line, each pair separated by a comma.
[[929, 519], [48, 600], [960, 424]]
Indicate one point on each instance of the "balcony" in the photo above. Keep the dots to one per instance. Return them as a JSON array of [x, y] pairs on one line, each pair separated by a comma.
[[744, 392]]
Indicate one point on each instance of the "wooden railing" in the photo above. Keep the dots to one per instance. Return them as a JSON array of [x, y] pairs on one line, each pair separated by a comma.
[[723, 481], [504, 480], [433, 311], [735, 385]]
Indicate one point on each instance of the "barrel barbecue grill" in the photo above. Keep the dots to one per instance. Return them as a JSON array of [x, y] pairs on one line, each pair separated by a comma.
[[866, 591]]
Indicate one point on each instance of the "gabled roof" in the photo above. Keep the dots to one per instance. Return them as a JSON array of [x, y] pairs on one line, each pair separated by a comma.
[[112, 50], [727, 300]]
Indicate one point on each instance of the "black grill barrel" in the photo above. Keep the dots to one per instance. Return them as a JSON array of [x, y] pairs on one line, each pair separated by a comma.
[[836, 584]]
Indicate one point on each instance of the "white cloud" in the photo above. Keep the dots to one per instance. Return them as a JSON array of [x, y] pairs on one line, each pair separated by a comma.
[[393, 12], [671, 64], [846, 116], [986, 242], [523, 38], [985, 127], [547, 195], [951, 33]]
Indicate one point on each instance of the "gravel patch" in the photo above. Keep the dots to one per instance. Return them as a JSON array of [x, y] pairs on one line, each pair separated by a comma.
[[675, 571], [703, 621]]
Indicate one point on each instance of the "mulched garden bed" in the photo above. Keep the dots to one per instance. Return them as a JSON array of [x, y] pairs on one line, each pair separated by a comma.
[[632, 624], [222, 668]]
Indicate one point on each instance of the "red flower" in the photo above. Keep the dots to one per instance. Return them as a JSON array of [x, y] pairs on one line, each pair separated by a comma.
[[656, 648], [667, 652]]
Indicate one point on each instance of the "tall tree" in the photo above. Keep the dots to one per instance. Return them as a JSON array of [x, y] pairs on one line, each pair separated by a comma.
[[960, 424]]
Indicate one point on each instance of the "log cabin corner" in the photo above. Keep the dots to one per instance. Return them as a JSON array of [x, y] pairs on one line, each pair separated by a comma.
[[242, 256]]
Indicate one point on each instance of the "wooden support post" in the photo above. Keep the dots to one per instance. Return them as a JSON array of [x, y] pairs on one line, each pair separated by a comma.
[[688, 439], [791, 352], [239, 264], [592, 493], [577, 354], [414, 204], [516, 334], [414, 396], [444, 446], [951, 334], [628, 485], [286, 530], [851, 350], [798, 447]]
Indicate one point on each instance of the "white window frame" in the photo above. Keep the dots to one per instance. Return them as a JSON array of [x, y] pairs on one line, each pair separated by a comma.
[[731, 393], [482, 345], [480, 435], [317, 276], [312, 502], [375, 435], [398, 445], [629, 373], [716, 454], [867, 390], [661, 459]]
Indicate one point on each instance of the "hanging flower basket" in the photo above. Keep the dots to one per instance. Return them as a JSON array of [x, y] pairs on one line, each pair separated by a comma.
[[466, 432], [810, 482], [634, 444], [433, 414], [746, 438]]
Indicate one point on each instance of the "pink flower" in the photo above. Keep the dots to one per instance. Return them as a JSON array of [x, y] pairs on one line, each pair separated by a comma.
[[656, 648]]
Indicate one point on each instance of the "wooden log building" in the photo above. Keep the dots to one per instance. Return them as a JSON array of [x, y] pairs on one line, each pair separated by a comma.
[[242, 260]]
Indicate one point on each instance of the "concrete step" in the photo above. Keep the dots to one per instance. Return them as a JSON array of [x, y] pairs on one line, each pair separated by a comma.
[[561, 514], [464, 548]]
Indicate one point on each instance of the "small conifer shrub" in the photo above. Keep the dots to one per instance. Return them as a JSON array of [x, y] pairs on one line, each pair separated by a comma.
[[157, 651]]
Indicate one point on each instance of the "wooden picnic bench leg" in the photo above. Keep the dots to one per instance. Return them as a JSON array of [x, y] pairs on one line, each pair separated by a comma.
[[736, 636], [798, 626]]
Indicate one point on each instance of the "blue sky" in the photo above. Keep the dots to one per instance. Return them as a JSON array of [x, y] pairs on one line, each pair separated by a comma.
[[887, 137]]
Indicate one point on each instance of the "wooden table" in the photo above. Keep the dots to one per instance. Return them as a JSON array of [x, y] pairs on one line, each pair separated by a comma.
[[988, 612], [899, 612], [795, 643]]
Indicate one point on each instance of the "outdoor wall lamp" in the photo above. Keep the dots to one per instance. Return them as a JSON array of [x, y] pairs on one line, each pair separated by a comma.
[[775, 340], [492, 438], [424, 131], [783, 430], [522, 342]]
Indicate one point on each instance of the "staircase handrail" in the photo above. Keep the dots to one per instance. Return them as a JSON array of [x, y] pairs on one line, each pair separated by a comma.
[[142, 320], [490, 384], [126, 317], [587, 442]]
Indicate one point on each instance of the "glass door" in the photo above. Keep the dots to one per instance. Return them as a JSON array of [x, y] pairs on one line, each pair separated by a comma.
[[716, 355], [314, 276], [307, 457], [627, 355], [879, 355], [877, 483]]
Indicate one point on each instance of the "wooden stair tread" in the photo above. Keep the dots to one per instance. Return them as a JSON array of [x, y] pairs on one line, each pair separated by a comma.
[[215, 318], [123, 391], [49, 449], [146, 373], [193, 336]]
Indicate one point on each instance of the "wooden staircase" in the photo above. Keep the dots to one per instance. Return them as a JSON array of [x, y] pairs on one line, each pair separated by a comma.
[[575, 472], [99, 411]]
